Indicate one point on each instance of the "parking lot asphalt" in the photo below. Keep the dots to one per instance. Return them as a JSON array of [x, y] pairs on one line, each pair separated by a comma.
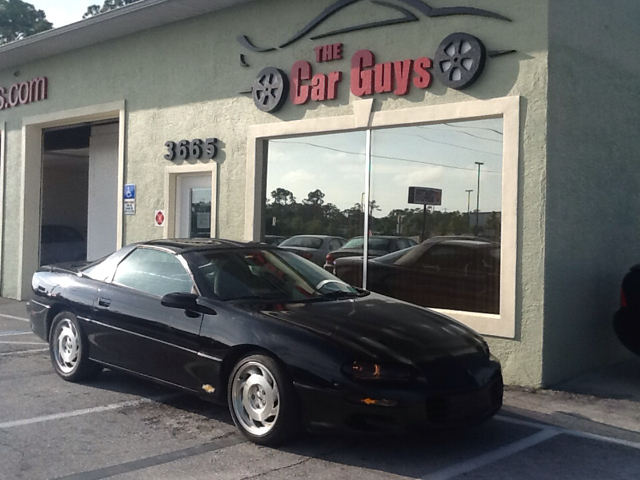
[[121, 427]]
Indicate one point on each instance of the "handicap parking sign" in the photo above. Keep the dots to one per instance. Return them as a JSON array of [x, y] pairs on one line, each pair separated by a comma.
[[130, 191]]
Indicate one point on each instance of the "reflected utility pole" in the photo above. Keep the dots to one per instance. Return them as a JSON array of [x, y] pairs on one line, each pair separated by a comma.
[[478, 200], [469, 202]]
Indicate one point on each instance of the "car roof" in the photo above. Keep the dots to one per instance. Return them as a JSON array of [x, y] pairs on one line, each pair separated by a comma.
[[184, 245], [314, 236]]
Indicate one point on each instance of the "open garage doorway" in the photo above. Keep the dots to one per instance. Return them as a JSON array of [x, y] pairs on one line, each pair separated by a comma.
[[79, 201]]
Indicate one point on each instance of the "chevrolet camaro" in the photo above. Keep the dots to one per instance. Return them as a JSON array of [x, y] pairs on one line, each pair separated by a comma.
[[284, 343]]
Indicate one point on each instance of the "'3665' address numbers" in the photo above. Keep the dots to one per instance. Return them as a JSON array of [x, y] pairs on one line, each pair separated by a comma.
[[194, 149]]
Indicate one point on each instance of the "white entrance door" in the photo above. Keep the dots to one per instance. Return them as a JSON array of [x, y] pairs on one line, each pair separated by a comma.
[[193, 206]]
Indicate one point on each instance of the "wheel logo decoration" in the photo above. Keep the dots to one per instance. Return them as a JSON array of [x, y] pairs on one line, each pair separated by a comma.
[[460, 60], [270, 89]]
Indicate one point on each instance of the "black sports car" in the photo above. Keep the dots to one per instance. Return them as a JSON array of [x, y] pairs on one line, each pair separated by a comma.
[[284, 342]]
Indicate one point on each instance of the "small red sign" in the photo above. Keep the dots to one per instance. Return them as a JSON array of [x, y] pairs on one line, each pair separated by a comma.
[[160, 218]]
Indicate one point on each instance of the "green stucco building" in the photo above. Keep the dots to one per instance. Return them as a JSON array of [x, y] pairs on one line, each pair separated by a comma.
[[521, 113]]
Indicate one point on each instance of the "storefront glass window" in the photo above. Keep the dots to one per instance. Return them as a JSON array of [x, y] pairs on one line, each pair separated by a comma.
[[315, 192], [424, 187], [434, 205]]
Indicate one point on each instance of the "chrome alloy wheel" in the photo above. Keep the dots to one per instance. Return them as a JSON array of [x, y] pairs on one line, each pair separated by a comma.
[[66, 346], [255, 398]]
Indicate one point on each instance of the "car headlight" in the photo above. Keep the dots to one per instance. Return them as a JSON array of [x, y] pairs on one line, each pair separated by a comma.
[[384, 372]]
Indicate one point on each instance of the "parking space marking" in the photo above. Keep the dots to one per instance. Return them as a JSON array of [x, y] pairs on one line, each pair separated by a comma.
[[575, 433], [217, 444], [493, 456], [13, 317], [84, 411], [4, 342], [22, 352], [15, 333]]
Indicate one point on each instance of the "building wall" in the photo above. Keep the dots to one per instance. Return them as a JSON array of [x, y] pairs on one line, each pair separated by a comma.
[[182, 81], [592, 231]]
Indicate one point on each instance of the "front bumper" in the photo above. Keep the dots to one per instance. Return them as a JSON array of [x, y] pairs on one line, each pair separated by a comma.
[[351, 410], [37, 313]]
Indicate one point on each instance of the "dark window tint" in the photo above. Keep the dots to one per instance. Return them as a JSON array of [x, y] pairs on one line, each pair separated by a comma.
[[403, 243], [154, 272], [307, 242], [264, 275], [335, 244]]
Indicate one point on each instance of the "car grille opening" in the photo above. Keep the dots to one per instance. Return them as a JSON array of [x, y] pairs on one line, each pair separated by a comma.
[[464, 407]]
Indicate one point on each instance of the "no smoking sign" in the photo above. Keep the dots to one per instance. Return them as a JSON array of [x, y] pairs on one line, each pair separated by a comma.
[[160, 218]]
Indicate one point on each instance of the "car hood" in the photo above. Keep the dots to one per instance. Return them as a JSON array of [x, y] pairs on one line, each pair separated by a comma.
[[378, 328]]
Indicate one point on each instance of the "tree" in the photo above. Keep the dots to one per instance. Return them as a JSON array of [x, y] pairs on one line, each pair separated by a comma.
[[314, 198], [19, 20], [108, 5], [282, 196]]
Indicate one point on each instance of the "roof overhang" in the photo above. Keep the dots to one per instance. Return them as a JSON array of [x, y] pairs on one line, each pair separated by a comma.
[[117, 23]]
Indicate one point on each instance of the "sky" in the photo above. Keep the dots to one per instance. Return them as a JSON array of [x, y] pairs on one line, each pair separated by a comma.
[[63, 12]]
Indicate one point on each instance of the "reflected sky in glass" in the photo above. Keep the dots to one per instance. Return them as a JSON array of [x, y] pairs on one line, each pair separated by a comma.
[[439, 156]]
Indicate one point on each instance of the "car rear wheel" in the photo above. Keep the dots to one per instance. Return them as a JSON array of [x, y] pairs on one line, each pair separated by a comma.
[[262, 401], [69, 350]]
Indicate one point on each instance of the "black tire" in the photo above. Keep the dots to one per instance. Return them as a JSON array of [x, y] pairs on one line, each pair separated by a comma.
[[69, 349], [271, 388]]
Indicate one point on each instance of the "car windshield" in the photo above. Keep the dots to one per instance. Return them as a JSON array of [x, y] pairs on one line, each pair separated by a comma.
[[374, 243], [307, 242], [265, 275]]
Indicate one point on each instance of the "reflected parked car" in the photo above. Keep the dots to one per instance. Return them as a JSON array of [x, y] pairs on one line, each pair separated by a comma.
[[378, 246], [59, 243], [313, 247], [626, 321], [283, 342], [453, 273], [274, 240]]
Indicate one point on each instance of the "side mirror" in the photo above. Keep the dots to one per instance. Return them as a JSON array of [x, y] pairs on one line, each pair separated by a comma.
[[186, 301]]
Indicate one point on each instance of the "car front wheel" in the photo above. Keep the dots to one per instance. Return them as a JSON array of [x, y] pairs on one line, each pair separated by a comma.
[[69, 350], [262, 401]]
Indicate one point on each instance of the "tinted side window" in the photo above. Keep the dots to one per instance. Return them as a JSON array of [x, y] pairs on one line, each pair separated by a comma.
[[444, 257], [335, 244], [154, 272], [403, 243]]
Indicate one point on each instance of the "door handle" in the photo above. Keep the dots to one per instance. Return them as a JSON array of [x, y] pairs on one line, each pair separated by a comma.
[[104, 302]]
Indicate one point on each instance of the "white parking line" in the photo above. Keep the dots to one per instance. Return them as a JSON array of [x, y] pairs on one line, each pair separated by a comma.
[[21, 352], [3, 342], [493, 456], [84, 411], [14, 334], [13, 317], [575, 433]]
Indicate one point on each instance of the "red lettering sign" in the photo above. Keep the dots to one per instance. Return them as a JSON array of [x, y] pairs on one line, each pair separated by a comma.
[[24, 93]]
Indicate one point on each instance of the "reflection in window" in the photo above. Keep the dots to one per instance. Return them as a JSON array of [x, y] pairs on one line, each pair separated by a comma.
[[315, 185], [153, 272], [200, 219], [444, 243], [457, 264]]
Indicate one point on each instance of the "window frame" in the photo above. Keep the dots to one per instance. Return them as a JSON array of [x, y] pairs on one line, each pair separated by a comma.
[[365, 118]]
